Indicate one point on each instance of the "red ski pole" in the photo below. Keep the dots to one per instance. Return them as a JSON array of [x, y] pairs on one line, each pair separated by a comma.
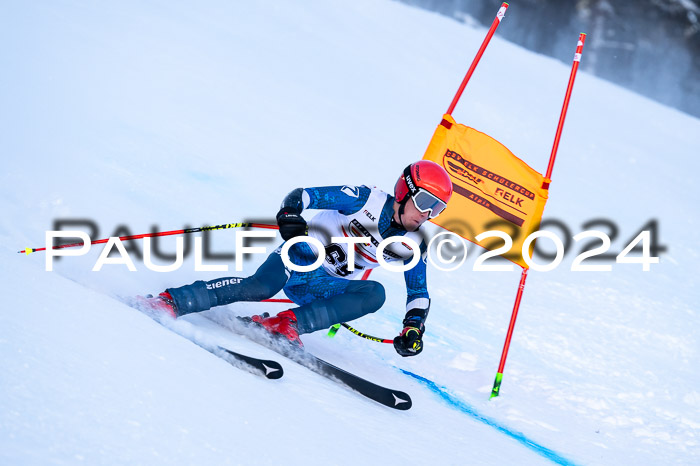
[[162, 233]]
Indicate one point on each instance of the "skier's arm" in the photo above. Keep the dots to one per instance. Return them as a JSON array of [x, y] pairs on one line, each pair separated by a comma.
[[345, 199], [289, 218], [410, 341], [294, 200]]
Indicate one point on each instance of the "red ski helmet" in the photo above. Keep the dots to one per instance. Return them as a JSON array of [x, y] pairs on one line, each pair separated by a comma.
[[427, 184]]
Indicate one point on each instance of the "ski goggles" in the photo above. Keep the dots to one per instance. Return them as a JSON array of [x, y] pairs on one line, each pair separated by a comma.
[[428, 202]]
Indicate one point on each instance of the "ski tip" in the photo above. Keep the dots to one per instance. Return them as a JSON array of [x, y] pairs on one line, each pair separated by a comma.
[[273, 370], [402, 401], [265, 367]]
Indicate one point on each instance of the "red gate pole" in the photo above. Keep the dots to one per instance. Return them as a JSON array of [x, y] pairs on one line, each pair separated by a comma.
[[565, 107], [572, 77], [509, 335], [499, 16]]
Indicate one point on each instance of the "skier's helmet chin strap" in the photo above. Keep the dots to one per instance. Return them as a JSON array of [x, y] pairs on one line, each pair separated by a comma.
[[402, 207]]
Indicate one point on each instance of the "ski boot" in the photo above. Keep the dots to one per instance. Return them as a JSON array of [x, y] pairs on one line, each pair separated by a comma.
[[283, 324], [161, 305]]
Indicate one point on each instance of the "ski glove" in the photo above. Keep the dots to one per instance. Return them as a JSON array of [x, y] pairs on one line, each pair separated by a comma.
[[291, 223], [410, 341]]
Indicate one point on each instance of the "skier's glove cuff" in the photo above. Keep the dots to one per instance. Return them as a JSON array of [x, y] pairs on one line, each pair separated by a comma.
[[291, 223]]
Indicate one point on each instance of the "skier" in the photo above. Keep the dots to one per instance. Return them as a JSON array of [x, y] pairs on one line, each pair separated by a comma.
[[328, 295]]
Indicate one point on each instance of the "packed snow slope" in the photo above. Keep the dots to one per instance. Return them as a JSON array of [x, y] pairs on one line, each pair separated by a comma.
[[160, 115]]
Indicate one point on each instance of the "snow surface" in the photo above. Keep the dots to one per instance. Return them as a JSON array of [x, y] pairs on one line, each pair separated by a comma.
[[168, 114]]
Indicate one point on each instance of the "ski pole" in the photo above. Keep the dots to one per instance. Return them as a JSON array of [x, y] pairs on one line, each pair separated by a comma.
[[364, 335], [334, 329], [162, 233]]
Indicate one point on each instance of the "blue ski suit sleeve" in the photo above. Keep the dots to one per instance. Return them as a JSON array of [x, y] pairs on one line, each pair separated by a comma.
[[345, 199], [416, 284]]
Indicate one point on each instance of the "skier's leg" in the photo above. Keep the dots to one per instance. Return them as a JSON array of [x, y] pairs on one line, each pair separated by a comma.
[[338, 301], [323, 300], [269, 279]]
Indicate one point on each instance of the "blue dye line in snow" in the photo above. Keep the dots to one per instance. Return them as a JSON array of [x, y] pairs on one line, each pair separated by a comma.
[[465, 408]]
